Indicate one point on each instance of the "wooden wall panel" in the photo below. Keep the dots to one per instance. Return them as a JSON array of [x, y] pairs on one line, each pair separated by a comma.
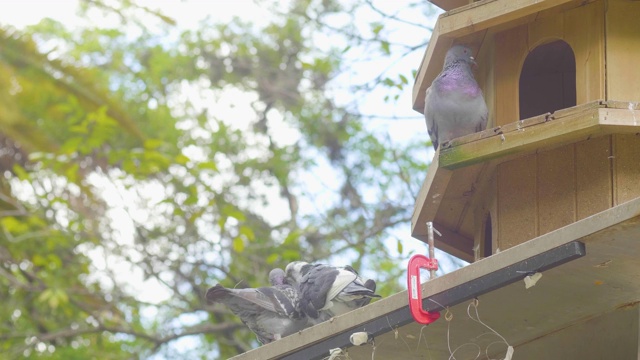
[[511, 50], [623, 50], [593, 176], [545, 30], [485, 204], [517, 204], [556, 188], [588, 48], [626, 152], [456, 197], [486, 75]]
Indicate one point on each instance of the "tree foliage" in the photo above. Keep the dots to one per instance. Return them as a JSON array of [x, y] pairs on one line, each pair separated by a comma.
[[142, 156]]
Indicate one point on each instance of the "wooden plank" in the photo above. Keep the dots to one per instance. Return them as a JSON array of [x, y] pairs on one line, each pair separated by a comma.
[[588, 47], [623, 50], [430, 67], [600, 338], [627, 167], [453, 243], [627, 105], [545, 30], [575, 124], [498, 130], [447, 5], [593, 176], [460, 190], [429, 198], [621, 120], [517, 201], [487, 14], [484, 205], [511, 50], [556, 178], [553, 133], [575, 110]]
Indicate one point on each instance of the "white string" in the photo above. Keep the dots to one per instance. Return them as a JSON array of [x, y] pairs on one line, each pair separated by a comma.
[[474, 303], [373, 349], [396, 334]]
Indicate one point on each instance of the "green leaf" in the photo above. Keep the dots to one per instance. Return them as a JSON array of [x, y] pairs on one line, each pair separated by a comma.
[[271, 259], [181, 159], [386, 47], [13, 225], [208, 165], [151, 144], [238, 244], [292, 237], [400, 247], [39, 260], [232, 211], [376, 27], [19, 170], [247, 232]]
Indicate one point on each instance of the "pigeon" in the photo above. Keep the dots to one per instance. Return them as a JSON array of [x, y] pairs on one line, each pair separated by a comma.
[[270, 312], [454, 105], [328, 291]]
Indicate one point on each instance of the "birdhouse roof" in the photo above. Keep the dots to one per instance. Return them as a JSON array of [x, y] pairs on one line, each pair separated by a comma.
[[449, 4], [467, 24]]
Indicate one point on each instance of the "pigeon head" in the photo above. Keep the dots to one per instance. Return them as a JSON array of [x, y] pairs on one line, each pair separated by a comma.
[[276, 277], [295, 271], [459, 53]]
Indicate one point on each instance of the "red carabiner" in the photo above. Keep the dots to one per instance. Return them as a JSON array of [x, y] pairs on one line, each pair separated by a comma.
[[415, 289]]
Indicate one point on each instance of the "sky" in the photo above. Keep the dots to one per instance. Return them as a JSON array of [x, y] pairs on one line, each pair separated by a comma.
[[408, 123]]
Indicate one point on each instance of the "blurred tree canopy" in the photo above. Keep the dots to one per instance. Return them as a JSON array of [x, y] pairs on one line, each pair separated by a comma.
[[184, 158]]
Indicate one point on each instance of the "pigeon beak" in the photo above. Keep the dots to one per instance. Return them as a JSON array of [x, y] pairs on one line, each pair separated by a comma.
[[473, 61]]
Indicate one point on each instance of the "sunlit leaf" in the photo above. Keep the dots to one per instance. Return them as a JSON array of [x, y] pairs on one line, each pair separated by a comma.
[[238, 244]]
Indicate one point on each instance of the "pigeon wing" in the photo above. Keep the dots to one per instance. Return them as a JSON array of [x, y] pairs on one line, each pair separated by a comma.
[[242, 299], [342, 280], [432, 125], [314, 288]]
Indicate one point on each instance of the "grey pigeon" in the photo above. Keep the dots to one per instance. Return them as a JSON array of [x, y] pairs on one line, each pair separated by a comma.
[[270, 312], [454, 105], [327, 291]]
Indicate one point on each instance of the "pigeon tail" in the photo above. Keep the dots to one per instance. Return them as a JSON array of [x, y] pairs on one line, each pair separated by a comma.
[[217, 293]]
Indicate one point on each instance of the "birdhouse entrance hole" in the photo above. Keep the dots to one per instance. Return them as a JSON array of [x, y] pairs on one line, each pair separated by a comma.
[[548, 79]]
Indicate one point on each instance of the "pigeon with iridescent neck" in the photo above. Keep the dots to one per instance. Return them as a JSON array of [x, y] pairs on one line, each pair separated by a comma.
[[454, 105]]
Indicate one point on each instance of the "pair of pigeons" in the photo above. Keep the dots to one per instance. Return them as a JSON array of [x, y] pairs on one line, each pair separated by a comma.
[[454, 105], [300, 296]]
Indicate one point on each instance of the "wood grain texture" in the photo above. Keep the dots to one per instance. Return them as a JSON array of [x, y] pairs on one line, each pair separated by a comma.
[[556, 185], [623, 50], [593, 176], [584, 31], [511, 50], [517, 201], [626, 152]]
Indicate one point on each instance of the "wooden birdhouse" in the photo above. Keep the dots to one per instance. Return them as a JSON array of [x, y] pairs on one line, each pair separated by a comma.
[[551, 188], [562, 80]]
